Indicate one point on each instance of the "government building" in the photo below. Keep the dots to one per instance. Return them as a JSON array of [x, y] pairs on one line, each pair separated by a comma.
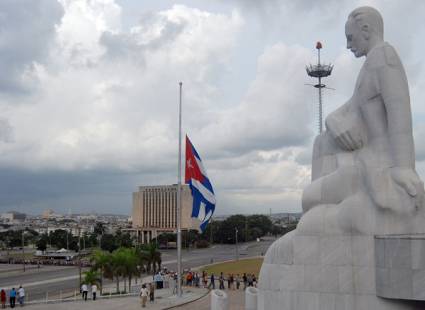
[[155, 211]]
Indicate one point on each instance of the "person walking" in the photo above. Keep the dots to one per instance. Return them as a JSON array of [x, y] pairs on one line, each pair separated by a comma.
[[84, 290], [189, 278], [221, 281], [245, 281], [94, 291], [205, 279], [196, 279], [21, 295], [157, 279], [3, 298], [172, 284], [238, 281], [249, 279], [151, 292], [143, 295], [12, 298], [212, 281]]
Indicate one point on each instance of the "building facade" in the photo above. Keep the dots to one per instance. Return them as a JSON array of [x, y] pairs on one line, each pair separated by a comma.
[[155, 211], [13, 217]]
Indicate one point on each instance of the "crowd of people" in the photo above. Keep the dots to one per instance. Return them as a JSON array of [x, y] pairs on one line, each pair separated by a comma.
[[48, 262], [168, 280], [234, 282], [13, 294]]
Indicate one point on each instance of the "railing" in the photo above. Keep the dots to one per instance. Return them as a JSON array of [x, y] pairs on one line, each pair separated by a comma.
[[67, 296]]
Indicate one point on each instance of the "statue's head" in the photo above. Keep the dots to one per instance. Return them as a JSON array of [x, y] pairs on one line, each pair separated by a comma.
[[363, 29]]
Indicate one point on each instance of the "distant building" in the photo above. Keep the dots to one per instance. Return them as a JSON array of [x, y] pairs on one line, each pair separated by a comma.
[[50, 214], [13, 217], [155, 211]]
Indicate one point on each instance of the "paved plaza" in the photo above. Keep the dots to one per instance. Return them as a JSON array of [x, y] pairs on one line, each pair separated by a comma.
[[236, 302], [199, 299], [163, 300]]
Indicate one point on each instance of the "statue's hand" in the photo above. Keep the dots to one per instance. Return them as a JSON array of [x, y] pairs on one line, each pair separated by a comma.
[[408, 179], [346, 134]]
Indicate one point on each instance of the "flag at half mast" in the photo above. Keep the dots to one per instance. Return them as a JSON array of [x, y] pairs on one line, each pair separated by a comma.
[[200, 186]]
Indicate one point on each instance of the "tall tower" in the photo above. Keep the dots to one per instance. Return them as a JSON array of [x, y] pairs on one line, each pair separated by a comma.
[[319, 71]]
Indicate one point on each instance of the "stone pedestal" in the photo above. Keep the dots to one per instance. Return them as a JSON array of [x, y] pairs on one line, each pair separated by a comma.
[[251, 298], [219, 300], [337, 273], [400, 266]]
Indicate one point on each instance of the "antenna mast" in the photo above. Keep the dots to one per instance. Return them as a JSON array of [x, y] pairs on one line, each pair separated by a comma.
[[319, 71]]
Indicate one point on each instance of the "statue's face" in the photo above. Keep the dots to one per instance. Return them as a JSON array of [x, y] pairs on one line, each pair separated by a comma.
[[356, 39]]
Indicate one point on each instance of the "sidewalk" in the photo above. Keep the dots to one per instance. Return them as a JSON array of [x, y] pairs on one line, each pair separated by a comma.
[[163, 300], [236, 302]]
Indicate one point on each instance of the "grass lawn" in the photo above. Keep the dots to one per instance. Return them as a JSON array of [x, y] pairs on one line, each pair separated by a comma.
[[251, 265]]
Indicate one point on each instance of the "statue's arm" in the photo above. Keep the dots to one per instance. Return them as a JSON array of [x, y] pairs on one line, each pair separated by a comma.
[[395, 95], [343, 124]]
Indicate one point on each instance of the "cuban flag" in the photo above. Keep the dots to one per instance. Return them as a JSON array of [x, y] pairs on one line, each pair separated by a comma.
[[200, 186]]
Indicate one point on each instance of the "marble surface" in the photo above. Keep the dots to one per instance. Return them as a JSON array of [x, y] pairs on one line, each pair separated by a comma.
[[219, 300], [251, 294], [400, 266], [364, 184]]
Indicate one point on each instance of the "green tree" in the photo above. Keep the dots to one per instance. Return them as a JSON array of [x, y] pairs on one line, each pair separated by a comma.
[[151, 256], [261, 222], [164, 238], [130, 263], [123, 239], [42, 242], [108, 243], [92, 277], [117, 263], [92, 240], [212, 231], [99, 229], [102, 262], [227, 229]]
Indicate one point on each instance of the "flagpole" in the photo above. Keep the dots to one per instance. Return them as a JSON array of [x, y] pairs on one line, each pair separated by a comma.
[[179, 201]]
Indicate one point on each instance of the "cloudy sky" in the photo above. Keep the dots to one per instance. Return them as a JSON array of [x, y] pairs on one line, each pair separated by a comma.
[[89, 96]]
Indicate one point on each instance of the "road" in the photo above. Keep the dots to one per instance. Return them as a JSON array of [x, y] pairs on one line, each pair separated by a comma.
[[38, 281], [56, 279], [217, 253]]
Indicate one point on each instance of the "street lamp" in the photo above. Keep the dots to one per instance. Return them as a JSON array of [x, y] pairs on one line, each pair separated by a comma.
[[23, 249], [79, 254], [236, 238]]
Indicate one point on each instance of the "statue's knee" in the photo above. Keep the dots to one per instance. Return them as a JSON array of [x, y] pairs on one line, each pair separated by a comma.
[[312, 195], [281, 251]]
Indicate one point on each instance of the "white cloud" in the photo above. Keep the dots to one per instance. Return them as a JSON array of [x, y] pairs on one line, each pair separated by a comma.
[[27, 33], [104, 111]]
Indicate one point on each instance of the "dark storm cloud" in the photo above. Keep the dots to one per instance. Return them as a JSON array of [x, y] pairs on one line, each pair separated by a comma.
[[26, 30], [132, 45], [32, 192]]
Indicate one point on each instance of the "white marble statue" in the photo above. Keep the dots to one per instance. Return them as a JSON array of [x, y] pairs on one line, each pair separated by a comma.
[[364, 184]]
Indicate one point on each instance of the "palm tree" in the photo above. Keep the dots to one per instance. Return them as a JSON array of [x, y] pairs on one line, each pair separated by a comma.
[[102, 261], [91, 277], [130, 265], [118, 259], [152, 256], [142, 258]]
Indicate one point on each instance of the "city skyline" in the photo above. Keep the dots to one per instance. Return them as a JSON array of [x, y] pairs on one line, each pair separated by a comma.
[[89, 96]]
